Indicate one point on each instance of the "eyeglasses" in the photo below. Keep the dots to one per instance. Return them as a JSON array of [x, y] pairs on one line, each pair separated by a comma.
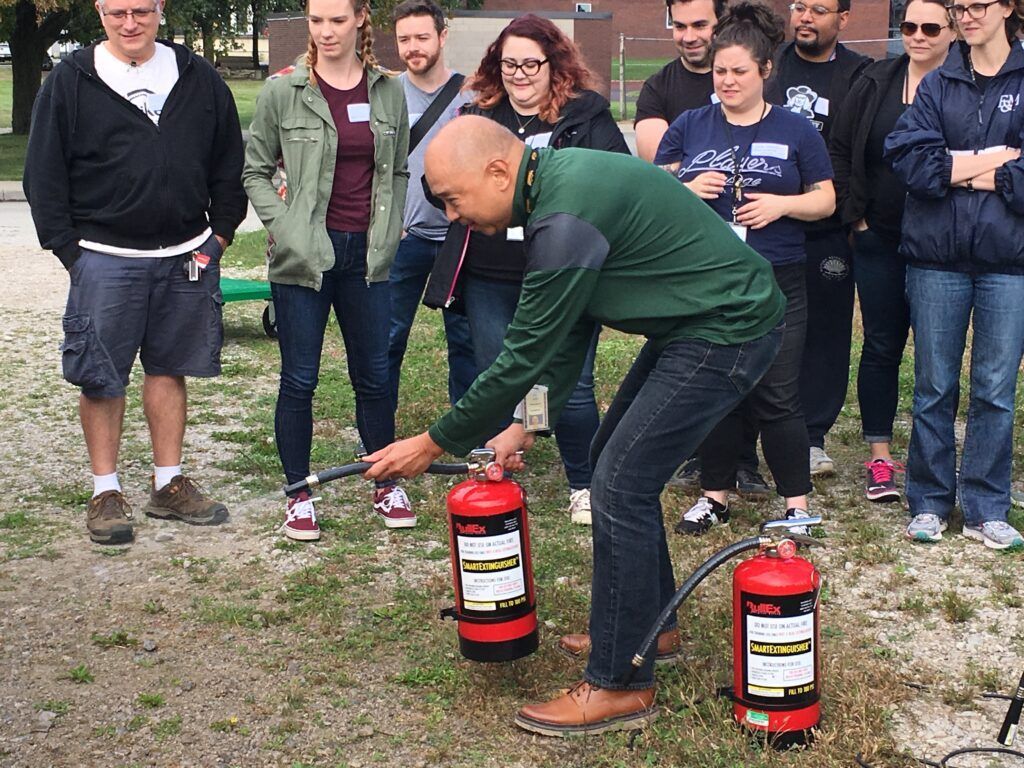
[[139, 14], [530, 67], [819, 11], [974, 10], [909, 29]]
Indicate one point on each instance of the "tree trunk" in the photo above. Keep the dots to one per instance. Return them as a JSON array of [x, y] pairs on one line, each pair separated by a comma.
[[256, 21], [29, 41], [209, 52]]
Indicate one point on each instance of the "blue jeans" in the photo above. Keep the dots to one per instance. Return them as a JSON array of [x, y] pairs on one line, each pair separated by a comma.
[[409, 273], [490, 306], [667, 404], [363, 312], [881, 276], [942, 304]]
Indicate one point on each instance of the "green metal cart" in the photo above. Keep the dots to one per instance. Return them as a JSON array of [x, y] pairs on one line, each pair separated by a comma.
[[235, 289]]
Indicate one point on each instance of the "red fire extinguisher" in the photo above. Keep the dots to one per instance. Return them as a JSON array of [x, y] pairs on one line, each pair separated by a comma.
[[496, 607], [776, 668]]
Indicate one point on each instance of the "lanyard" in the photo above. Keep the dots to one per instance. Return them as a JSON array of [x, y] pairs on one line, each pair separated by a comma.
[[531, 177], [738, 160]]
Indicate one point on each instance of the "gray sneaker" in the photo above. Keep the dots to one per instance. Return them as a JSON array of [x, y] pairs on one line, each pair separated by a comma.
[[1017, 498], [821, 463], [995, 534], [926, 527]]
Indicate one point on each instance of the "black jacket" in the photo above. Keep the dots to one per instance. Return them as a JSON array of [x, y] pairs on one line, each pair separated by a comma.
[[585, 122], [849, 137], [952, 228], [98, 169]]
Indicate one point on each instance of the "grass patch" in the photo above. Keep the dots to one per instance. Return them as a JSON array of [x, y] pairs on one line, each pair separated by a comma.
[[165, 729], [956, 609], [80, 675], [24, 534], [118, 638], [151, 700]]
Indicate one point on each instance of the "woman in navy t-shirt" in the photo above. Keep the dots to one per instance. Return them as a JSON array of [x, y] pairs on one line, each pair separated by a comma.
[[764, 170]]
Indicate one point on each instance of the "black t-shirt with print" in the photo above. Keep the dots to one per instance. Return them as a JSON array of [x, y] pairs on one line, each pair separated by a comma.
[[671, 91], [806, 91]]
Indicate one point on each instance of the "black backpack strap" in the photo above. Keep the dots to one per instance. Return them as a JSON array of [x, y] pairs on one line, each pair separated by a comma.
[[437, 106]]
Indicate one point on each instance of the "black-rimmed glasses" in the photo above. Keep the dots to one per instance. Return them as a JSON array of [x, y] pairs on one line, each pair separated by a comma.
[[974, 10], [530, 67]]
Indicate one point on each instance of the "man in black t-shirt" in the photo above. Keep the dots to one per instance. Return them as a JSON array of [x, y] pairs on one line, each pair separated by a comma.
[[684, 83], [813, 75]]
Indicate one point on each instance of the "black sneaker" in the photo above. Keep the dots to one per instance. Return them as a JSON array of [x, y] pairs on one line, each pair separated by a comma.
[[750, 483], [699, 518]]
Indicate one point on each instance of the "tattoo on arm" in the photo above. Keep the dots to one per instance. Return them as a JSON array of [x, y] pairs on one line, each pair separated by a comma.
[[672, 168], [812, 187]]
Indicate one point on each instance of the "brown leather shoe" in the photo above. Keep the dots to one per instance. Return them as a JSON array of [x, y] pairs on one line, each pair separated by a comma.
[[669, 646], [108, 518], [183, 499], [587, 709]]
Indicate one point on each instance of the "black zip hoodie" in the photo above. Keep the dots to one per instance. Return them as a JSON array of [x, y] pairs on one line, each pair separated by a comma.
[[98, 169]]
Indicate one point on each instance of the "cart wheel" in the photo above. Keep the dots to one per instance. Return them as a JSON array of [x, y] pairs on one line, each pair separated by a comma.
[[269, 320]]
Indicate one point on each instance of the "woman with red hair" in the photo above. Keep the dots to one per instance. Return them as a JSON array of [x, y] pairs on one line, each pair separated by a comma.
[[534, 82]]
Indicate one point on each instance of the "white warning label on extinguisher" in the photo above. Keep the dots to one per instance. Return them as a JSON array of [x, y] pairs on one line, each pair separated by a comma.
[[491, 568], [779, 655]]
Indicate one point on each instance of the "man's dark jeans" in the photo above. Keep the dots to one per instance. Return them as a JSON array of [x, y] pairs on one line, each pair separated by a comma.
[[409, 273], [667, 404]]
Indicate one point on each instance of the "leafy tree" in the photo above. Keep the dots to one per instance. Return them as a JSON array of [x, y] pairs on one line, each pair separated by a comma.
[[31, 27], [205, 20]]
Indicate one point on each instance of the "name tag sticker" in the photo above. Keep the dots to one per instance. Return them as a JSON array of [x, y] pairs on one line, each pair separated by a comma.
[[767, 149], [359, 113], [535, 407], [739, 230], [515, 234], [821, 106]]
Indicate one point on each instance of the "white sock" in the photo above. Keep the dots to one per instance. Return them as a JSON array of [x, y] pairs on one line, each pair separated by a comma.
[[163, 475], [102, 483]]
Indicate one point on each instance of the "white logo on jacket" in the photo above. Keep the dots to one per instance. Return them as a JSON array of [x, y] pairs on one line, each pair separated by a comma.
[[1008, 101]]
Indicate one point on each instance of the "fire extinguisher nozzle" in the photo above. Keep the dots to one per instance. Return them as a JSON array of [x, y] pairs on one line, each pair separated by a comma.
[[638, 661]]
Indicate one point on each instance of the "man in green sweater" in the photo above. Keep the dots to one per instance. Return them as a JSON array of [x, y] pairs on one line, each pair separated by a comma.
[[613, 240]]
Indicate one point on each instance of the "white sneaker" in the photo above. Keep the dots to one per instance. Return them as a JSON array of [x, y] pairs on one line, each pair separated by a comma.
[[795, 513], [995, 534], [579, 506], [821, 463], [926, 527]]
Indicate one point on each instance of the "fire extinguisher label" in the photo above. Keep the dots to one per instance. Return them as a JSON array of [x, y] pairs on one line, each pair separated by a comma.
[[779, 655], [490, 557]]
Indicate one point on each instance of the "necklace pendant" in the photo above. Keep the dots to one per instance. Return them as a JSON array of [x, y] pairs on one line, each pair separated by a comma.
[[522, 130]]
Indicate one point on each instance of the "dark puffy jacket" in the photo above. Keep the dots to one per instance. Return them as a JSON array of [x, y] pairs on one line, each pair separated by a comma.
[[952, 228]]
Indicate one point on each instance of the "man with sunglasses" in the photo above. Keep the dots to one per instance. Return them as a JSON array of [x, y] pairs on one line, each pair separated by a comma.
[[133, 174], [814, 73]]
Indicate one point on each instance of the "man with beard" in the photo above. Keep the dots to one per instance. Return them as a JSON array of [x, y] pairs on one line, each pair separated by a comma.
[[684, 83], [814, 73], [421, 31]]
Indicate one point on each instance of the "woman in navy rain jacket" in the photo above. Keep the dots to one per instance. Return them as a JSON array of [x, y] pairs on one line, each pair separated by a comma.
[[957, 148]]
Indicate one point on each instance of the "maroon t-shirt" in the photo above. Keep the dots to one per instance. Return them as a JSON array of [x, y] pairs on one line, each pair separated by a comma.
[[349, 208]]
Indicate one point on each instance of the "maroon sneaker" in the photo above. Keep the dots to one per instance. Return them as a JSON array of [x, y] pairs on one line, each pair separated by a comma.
[[300, 518], [393, 507], [881, 481]]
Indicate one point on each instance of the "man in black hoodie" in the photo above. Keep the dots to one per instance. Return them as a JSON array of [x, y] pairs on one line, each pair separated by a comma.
[[133, 175], [813, 75]]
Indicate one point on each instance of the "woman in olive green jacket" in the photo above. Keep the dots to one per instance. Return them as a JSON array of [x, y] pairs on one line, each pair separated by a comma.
[[340, 127]]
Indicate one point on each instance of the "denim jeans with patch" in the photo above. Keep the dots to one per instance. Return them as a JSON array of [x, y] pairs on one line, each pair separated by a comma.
[[942, 305], [667, 404]]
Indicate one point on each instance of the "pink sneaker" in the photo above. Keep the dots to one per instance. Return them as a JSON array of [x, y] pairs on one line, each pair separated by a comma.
[[393, 507], [300, 519]]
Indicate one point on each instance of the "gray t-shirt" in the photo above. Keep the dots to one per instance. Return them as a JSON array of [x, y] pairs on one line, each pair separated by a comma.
[[421, 218]]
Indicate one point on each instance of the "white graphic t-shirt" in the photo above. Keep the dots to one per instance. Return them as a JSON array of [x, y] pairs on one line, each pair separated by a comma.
[[146, 85]]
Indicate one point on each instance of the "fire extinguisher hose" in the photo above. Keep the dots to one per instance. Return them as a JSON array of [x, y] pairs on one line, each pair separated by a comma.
[[347, 470], [702, 572]]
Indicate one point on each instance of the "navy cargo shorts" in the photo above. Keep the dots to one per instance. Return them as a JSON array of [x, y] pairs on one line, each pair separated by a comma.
[[119, 305]]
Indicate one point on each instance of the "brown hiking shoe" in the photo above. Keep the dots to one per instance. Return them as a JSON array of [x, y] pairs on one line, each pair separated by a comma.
[[669, 646], [108, 518], [184, 500]]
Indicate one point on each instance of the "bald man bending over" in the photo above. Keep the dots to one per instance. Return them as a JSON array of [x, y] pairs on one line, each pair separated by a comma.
[[613, 240]]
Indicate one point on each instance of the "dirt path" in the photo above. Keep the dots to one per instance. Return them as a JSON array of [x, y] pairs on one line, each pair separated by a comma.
[[195, 661]]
